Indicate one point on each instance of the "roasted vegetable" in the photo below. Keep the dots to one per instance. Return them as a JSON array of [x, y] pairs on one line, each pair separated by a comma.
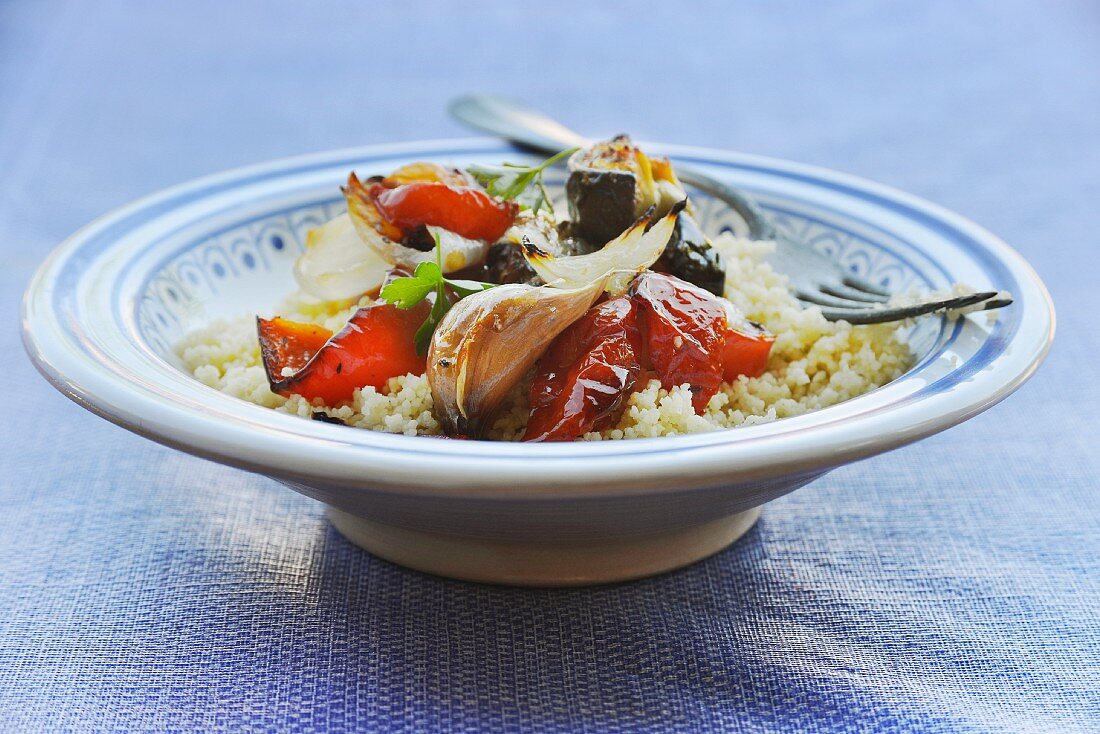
[[690, 256], [582, 379], [376, 344], [385, 238], [748, 345], [467, 212], [337, 264], [684, 330], [611, 183], [601, 203], [422, 171], [488, 341], [286, 346], [632, 251], [368, 221], [667, 328], [505, 263]]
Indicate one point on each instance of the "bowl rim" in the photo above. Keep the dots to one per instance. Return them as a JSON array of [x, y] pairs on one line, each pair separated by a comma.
[[272, 443]]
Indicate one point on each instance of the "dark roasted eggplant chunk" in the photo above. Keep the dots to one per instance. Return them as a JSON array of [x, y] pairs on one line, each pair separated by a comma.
[[690, 256], [601, 204], [505, 263], [611, 183], [420, 239], [572, 243]]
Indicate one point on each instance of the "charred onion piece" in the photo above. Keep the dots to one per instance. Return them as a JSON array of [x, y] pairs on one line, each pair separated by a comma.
[[506, 263], [337, 263], [375, 231], [424, 171], [488, 341], [629, 253]]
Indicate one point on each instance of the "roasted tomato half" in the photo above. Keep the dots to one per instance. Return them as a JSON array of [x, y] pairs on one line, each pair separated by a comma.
[[695, 337], [582, 379], [684, 329]]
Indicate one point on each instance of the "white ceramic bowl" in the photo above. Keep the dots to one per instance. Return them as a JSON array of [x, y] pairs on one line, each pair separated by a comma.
[[103, 312]]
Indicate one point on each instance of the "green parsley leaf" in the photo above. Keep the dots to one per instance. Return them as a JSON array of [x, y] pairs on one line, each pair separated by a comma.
[[468, 287], [429, 270], [407, 292], [517, 182], [439, 309]]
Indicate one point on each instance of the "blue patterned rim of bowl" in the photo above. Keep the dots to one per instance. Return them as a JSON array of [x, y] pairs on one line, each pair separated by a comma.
[[102, 314]]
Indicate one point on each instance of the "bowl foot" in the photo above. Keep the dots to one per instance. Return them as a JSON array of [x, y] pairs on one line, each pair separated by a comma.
[[535, 563]]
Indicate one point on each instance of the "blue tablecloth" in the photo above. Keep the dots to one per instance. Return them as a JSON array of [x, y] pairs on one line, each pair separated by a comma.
[[950, 586]]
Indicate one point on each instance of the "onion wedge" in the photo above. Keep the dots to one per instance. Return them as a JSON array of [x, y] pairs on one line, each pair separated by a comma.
[[337, 264], [488, 341], [458, 252], [540, 230], [616, 263]]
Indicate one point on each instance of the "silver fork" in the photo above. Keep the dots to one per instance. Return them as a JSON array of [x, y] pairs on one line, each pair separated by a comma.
[[813, 277]]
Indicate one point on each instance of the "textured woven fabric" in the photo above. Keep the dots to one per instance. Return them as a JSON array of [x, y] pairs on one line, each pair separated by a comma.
[[950, 586]]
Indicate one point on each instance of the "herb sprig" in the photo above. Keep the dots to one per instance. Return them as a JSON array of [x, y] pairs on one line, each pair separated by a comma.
[[407, 292], [520, 183]]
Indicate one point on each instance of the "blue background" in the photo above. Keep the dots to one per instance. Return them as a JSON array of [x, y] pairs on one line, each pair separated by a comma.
[[950, 586]]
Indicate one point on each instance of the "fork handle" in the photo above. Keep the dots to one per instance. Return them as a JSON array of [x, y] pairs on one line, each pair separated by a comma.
[[515, 123], [532, 130]]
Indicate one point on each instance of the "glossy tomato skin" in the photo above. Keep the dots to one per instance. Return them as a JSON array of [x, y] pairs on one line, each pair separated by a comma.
[[583, 378], [288, 344], [748, 346], [684, 331], [468, 212], [377, 343]]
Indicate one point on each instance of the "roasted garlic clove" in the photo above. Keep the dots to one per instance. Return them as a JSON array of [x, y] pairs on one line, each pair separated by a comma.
[[488, 341]]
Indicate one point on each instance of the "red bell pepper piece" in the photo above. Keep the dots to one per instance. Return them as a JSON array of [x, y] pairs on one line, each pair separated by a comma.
[[377, 343], [582, 379], [285, 343], [469, 212]]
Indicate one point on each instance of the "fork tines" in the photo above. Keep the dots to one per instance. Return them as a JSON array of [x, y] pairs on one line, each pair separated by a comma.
[[855, 312]]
